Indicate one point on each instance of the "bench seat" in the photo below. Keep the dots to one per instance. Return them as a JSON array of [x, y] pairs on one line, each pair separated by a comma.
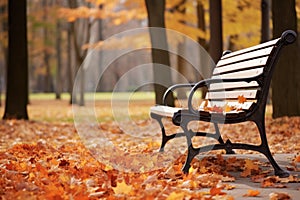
[[235, 109]]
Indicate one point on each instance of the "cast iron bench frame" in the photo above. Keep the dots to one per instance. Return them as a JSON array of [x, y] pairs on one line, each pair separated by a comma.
[[182, 117]]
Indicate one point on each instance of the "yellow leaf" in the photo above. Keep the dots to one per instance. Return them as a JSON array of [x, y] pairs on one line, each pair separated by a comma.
[[108, 167], [191, 170], [228, 108], [122, 188], [63, 178], [176, 196]]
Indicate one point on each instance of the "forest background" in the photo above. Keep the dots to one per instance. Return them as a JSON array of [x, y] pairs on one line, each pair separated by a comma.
[[60, 33]]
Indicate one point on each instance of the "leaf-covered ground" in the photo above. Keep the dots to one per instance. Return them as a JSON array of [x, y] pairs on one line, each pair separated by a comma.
[[46, 159]]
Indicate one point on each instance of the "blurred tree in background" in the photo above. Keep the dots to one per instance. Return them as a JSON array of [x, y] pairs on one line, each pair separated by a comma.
[[286, 79], [17, 63], [160, 57], [60, 33]]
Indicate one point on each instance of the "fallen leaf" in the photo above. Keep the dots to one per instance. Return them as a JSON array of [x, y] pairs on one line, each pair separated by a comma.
[[228, 108], [42, 160], [252, 193], [122, 188], [279, 196], [250, 168], [241, 99], [176, 196], [216, 191]]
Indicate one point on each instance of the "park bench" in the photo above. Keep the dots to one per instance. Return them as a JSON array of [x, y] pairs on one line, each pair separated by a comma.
[[236, 92]]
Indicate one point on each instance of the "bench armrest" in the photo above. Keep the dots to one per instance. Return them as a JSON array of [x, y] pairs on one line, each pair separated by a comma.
[[174, 87], [207, 82]]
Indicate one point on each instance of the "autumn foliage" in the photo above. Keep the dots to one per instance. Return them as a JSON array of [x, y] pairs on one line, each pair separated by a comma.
[[48, 161]]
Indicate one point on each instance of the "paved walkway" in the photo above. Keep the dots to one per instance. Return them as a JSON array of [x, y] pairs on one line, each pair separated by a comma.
[[242, 185]]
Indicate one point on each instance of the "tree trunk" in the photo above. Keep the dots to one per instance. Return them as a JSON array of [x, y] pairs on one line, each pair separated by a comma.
[[58, 60], [286, 79], [3, 46], [201, 23], [160, 57], [265, 20], [2, 72], [265, 30], [82, 86], [69, 64], [48, 77], [81, 32], [216, 33], [202, 41], [182, 70], [17, 70]]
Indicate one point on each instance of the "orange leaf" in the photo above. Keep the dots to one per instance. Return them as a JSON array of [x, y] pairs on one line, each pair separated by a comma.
[[297, 158], [241, 99], [252, 193], [250, 168], [216, 191], [269, 181]]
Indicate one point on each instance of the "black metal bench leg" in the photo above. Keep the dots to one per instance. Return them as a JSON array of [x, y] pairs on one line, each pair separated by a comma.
[[165, 138], [192, 152], [220, 139], [266, 150]]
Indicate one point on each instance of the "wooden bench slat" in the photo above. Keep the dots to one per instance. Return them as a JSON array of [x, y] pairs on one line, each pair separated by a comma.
[[241, 74], [246, 56], [164, 110], [253, 48], [232, 85], [242, 65], [249, 94], [242, 106]]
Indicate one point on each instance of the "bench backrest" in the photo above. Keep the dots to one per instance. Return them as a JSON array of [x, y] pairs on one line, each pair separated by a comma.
[[256, 62]]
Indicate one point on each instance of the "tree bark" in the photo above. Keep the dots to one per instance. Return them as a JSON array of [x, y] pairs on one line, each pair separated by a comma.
[[17, 68], [58, 61], [286, 78], [265, 20], [48, 77], [160, 57], [69, 64], [216, 31], [2, 72], [4, 51], [201, 23], [80, 38], [202, 41]]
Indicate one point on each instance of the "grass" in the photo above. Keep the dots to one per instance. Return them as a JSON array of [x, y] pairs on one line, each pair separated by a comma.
[[44, 106], [98, 96]]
